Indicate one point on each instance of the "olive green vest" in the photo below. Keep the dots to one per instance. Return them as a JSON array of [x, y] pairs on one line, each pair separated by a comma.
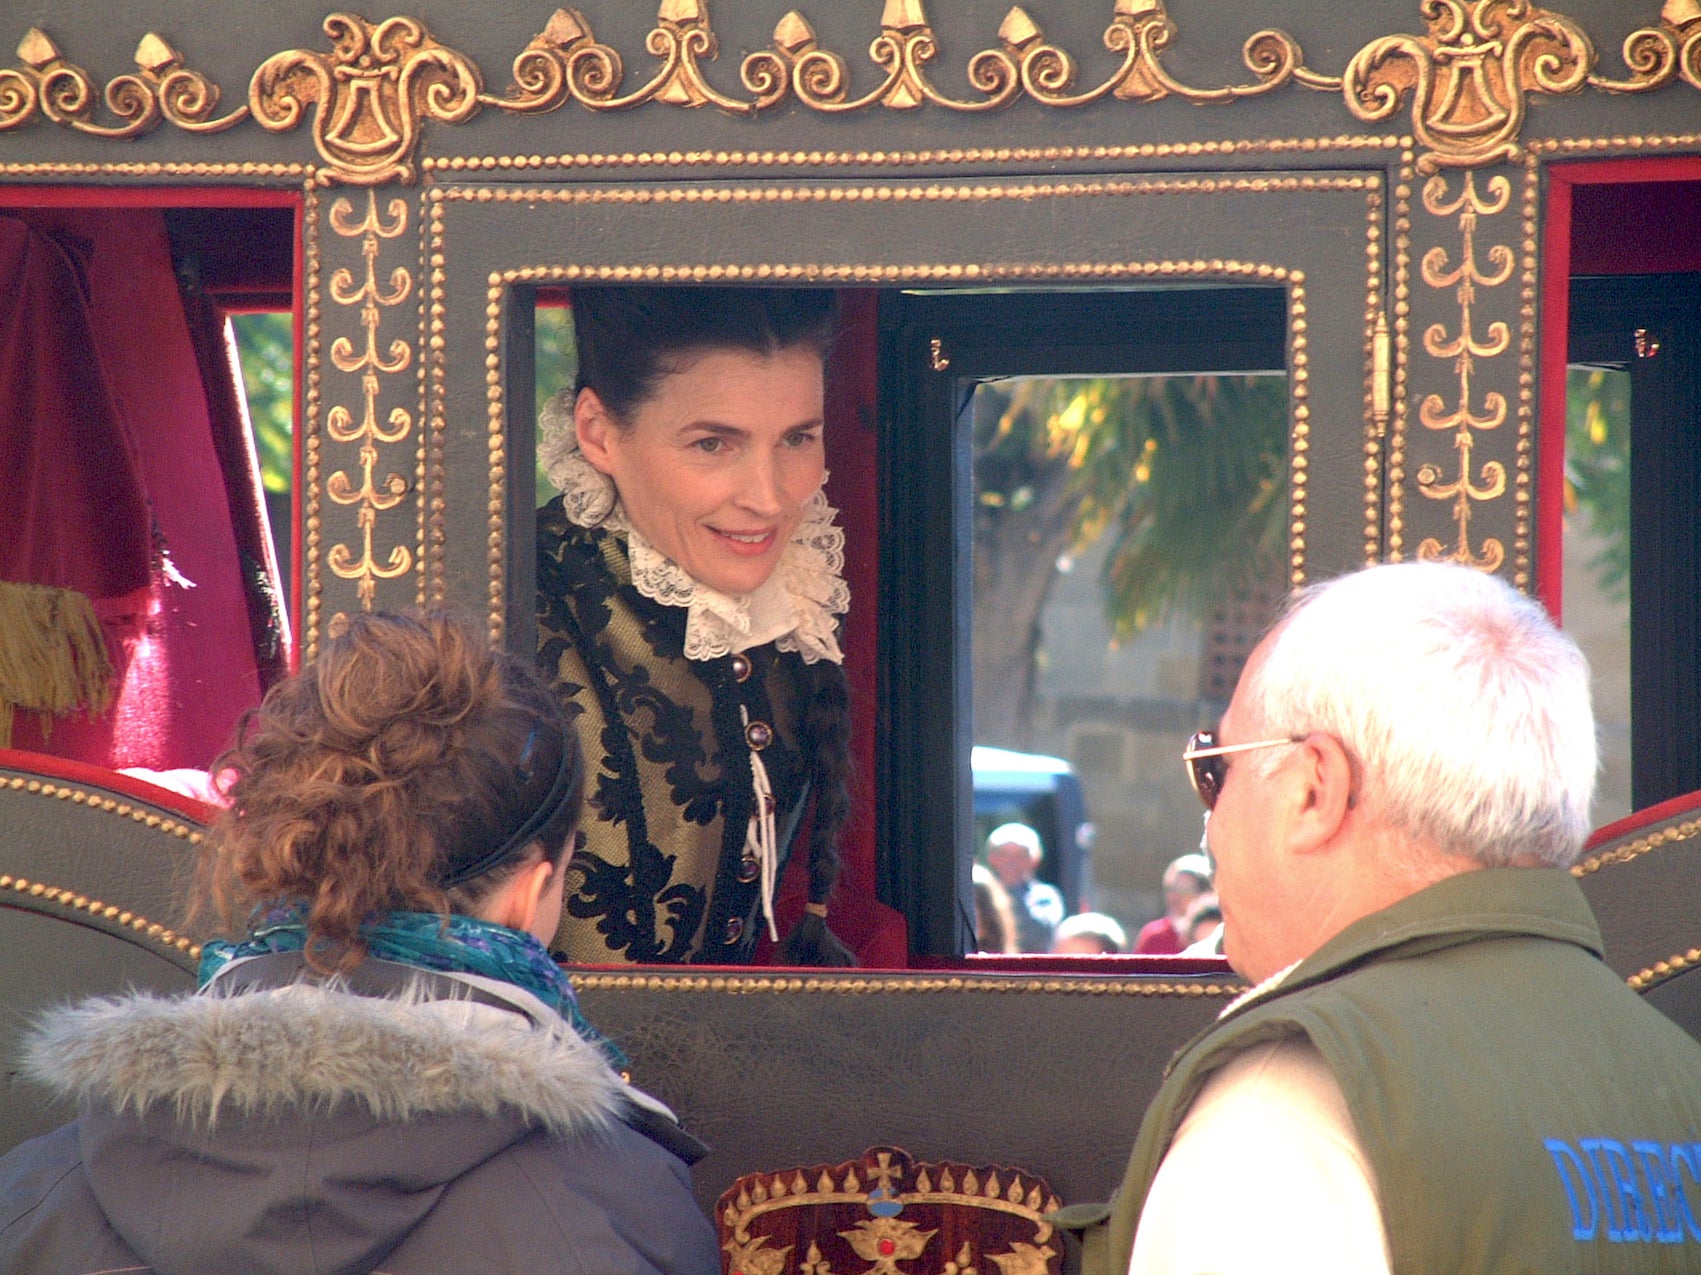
[[1521, 1108]]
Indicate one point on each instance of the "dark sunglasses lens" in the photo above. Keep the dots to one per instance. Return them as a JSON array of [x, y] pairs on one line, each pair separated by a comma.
[[1208, 779], [1205, 772]]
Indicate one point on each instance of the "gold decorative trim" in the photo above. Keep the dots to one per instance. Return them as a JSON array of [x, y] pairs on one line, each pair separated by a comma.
[[371, 498], [1672, 835], [1395, 486], [1006, 188], [370, 95], [882, 1191], [1299, 432], [1657, 55], [1523, 493], [1468, 80], [313, 442], [112, 805], [1646, 979], [1378, 386], [565, 62], [1465, 348], [111, 912], [153, 168], [1469, 77], [496, 493], [907, 159], [162, 88], [1617, 142], [434, 535], [900, 984]]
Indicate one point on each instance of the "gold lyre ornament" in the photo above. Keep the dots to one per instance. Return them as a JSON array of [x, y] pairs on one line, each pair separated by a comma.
[[370, 94], [1470, 77]]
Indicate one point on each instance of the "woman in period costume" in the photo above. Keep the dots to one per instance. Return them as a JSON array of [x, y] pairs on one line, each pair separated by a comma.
[[385, 1071], [689, 584]]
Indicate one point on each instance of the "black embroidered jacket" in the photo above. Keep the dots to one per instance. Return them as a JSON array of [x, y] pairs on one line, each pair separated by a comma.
[[662, 875]]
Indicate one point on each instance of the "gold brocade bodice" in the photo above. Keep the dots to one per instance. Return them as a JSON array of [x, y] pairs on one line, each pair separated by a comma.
[[662, 875]]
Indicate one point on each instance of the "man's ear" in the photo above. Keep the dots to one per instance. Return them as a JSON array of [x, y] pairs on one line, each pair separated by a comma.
[[596, 430], [1328, 791]]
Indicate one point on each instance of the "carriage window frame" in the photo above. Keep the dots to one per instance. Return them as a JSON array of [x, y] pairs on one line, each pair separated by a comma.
[[935, 345]]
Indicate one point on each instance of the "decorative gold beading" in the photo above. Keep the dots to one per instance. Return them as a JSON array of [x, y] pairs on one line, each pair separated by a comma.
[[907, 984], [372, 498], [912, 158], [1465, 348], [99, 911], [1469, 77], [1523, 493], [1672, 835], [123, 809], [370, 95]]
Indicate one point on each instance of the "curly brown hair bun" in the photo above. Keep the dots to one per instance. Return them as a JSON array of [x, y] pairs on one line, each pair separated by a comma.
[[410, 767]]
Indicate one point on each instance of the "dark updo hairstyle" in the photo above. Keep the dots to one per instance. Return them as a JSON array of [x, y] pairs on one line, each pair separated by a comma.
[[410, 767], [627, 339]]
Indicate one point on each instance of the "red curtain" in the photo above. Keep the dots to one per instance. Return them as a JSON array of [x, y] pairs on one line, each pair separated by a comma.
[[113, 483]]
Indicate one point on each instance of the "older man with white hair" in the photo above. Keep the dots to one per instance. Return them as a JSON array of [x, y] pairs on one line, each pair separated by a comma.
[[1435, 1070]]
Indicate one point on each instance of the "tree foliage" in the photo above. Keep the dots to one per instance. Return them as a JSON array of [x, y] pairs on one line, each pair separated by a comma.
[[266, 348], [1597, 468], [1186, 474]]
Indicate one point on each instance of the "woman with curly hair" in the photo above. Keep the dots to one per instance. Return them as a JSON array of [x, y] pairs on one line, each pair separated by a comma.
[[383, 1069]]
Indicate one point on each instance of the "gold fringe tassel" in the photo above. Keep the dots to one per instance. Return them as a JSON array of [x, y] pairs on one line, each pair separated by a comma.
[[53, 656]]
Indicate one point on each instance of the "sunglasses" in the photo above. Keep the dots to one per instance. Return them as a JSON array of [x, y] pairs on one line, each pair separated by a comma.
[[1207, 761]]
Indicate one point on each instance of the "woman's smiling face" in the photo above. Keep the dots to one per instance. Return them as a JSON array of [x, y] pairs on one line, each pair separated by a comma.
[[715, 467]]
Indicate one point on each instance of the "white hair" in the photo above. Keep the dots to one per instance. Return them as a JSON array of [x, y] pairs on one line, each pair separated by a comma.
[[1016, 834], [1463, 707], [1107, 929]]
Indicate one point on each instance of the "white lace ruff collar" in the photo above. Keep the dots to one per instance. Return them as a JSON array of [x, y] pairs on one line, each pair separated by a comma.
[[794, 608]]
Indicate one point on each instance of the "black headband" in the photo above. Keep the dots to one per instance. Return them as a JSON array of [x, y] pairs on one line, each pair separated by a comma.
[[527, 832]]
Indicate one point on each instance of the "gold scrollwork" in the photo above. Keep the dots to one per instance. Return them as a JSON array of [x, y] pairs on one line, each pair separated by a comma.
[[566, 62], [1469, 78], [1658, 55], [372, 497], [62, 92], [1141, 30], [904, 47], [372, 93], [1464, 349]]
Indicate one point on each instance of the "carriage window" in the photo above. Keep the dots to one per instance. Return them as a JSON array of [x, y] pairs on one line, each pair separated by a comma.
[[1114, 542], [265, 345], [1597, 563], [1129, 537], [556, 364], [168, 616], [1634, 549]]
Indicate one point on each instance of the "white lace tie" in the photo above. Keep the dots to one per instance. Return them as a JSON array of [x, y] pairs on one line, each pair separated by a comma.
[[761, 838]]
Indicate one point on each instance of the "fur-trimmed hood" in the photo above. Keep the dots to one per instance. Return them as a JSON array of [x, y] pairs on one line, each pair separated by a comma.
[[305, 1127], [306, 1050]]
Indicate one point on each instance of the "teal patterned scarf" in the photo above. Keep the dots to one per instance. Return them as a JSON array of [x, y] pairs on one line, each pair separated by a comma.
[[429, 941]]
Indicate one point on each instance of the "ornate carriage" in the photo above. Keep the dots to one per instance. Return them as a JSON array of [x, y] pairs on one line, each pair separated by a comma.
[[1418, 213]]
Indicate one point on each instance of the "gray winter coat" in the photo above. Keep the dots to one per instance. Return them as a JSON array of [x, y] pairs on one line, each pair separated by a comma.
[[310, 1130]]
